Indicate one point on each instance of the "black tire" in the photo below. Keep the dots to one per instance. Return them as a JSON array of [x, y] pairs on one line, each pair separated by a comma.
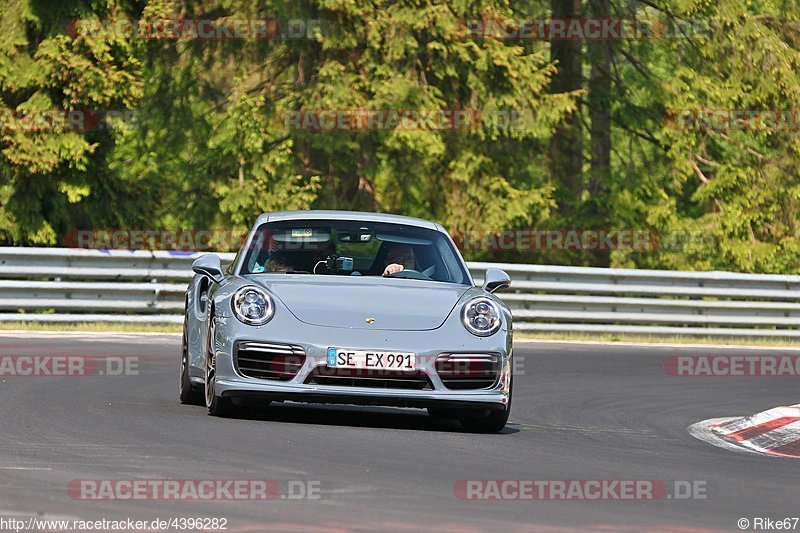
[[493, 422], [216, 405], [189, 394]]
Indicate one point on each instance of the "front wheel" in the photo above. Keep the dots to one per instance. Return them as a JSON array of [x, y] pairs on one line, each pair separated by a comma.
[[492, 422], [188, 393], [216, 405]]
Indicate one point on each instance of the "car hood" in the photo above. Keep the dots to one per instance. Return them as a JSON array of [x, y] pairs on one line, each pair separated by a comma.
[[348, 302]]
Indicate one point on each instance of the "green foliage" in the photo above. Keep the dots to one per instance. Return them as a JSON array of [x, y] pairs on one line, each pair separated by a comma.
[[733, 190], [48, 168], [205, 141]]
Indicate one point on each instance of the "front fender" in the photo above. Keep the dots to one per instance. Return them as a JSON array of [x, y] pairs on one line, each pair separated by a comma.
[[201, 296]]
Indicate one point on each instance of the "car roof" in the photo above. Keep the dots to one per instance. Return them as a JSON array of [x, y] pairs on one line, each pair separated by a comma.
[[322, 214]]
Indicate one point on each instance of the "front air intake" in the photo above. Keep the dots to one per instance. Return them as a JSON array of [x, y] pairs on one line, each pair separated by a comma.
[[262, 360], [371, 378], [462, 371]]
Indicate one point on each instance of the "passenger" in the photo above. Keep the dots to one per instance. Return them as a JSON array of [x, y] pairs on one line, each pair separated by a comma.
[[279, 263]]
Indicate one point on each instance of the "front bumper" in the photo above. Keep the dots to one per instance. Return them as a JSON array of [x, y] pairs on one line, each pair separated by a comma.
[[315, 341]]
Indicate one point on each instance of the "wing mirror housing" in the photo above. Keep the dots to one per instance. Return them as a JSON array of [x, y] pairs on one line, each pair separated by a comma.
[[496, 279], [209, 265]]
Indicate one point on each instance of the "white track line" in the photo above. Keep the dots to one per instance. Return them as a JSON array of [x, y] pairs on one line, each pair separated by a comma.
[[134, 334], [702, 431], [661, 345], [91, 334]]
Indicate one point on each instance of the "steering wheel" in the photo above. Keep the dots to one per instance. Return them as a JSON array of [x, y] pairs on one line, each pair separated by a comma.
[[409, 273]]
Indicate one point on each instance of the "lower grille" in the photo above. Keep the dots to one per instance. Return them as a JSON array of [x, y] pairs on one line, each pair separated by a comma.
[[374, 378], [468, 371], [264, 360]]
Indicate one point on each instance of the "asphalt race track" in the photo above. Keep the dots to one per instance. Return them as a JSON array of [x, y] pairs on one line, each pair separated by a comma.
[[581, 412]]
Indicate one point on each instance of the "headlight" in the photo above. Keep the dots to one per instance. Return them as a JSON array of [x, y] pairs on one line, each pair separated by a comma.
[[481, 317], [252, 306]]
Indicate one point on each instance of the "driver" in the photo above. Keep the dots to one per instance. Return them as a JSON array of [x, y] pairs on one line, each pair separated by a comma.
[[398, 258]]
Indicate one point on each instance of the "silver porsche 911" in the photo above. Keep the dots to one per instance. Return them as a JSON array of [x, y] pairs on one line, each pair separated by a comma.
[[348, 308]]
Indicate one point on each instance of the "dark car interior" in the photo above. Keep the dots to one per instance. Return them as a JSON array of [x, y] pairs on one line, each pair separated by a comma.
[[341, 248]]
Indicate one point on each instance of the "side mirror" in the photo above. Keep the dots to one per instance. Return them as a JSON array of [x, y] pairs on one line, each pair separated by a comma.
[[209, 265], [495, 279]]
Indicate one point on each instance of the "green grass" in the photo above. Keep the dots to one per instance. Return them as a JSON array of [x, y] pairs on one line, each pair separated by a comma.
[[123, 327], [92, 326], [656, 339]]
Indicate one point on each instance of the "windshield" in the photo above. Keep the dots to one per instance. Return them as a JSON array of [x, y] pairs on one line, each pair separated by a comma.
[[352, 248]]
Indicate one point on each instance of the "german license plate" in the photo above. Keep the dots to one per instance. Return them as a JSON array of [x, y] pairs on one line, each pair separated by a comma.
[[344, 358]]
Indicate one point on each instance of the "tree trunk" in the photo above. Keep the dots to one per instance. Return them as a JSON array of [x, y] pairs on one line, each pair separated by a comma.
[[566, 144], [599, 102]]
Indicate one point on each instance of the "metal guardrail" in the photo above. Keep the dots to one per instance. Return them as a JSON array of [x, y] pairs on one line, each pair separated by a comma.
[[73, 285]]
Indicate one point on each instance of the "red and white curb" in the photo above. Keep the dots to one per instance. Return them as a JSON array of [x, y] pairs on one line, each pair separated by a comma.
[[775, 432]]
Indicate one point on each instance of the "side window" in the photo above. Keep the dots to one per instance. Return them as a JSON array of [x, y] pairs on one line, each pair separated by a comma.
[[451, 272], [255, 250], [426, 257]]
